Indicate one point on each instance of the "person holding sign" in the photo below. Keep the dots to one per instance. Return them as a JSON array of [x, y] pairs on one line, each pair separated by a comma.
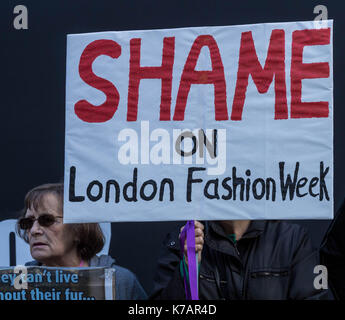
[[54, 244], [242, 259]]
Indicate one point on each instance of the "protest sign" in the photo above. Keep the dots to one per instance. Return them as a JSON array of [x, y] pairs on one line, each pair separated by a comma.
[[49, 283], [207, 123]]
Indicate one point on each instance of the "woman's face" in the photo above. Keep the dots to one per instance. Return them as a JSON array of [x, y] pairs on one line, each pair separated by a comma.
[[54, 245]]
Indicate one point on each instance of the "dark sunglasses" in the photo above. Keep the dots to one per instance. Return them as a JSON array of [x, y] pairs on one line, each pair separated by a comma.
[[44, 220]]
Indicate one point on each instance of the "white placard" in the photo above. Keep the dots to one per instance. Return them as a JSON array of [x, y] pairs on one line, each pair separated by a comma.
[[208, 123]]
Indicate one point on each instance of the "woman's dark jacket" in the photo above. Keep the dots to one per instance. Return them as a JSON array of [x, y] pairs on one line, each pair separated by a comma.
[[272, 260]]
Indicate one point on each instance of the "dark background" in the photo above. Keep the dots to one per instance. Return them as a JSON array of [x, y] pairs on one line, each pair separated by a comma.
[[32, 77]]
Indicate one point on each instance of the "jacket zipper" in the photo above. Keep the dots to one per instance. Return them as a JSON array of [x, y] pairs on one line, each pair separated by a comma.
[[242, 275], [235, 245]]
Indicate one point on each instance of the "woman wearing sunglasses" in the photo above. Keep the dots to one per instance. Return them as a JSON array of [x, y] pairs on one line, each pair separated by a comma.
[[54, 244]]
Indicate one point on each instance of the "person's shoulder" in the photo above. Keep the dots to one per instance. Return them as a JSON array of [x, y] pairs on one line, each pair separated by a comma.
[[281, 225], [287, 229], [290, 237], [122, 274]]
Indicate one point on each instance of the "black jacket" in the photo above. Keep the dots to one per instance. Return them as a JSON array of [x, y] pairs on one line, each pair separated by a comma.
[[273, 260], [333, 253]]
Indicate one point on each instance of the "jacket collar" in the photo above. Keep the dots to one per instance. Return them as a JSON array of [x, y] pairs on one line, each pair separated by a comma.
[[255, 228], [218, 240]]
